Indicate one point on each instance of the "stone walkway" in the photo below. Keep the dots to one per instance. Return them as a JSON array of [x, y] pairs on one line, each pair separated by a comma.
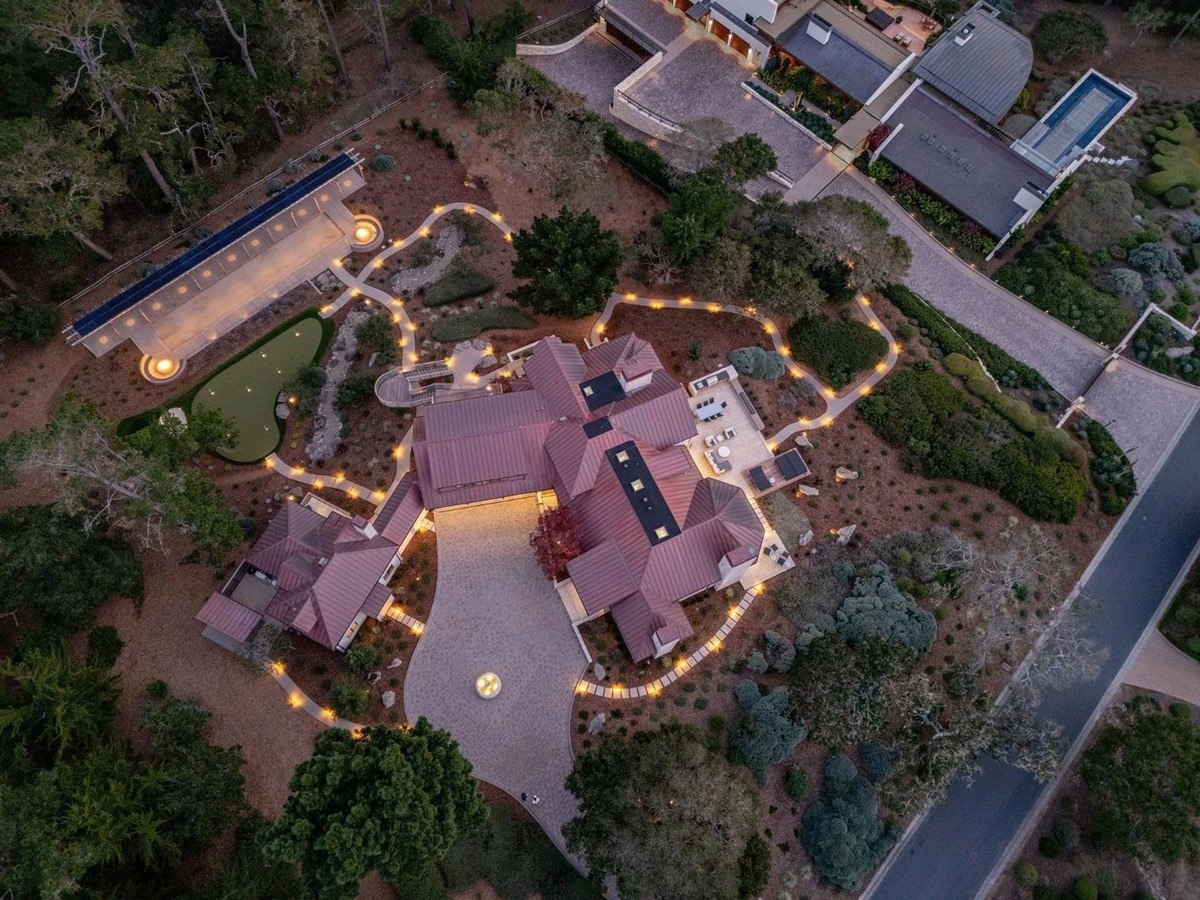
[[835, 403], [337, 482], [1145, 409], [494, 611], [1164, 668]]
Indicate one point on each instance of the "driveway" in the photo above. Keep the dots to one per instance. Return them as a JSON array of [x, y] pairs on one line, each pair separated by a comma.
[[1141, 408], [592, 68], [494, 611], [699, 80]]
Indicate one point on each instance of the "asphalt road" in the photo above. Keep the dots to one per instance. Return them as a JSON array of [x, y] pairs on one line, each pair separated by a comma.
[[950, 855]]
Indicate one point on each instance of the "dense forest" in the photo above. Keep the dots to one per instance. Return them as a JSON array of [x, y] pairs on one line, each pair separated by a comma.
[[147, 102]]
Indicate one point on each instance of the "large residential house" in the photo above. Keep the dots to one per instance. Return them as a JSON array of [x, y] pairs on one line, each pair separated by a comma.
[[316, 571], [604, 429], [934, 100]]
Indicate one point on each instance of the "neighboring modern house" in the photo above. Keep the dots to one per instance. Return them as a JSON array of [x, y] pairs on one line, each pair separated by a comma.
[[942, 96], [316, 571], [604, 429]]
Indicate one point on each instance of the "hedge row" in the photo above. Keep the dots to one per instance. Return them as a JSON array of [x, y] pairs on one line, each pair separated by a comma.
[[955, 338], [947, 435], [468, 325], [837, 350], [457, 284]]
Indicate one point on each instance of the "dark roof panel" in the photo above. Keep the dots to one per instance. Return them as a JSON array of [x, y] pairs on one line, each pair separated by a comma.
[[973, 171], [980, 63], [849, 67]]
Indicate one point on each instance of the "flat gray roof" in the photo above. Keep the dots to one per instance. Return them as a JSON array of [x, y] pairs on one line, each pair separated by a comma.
[[987, 71], [976, 173], [840, 61]]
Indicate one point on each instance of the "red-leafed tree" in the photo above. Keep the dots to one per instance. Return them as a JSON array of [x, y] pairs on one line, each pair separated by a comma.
[[556, 541], [877, 136]]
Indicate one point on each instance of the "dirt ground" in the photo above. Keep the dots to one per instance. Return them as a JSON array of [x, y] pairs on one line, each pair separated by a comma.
[[1149, 64], [1170, 882]]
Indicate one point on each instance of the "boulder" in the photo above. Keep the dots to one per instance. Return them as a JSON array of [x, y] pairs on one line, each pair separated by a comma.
[[599, 672], [844, 474], [282, 410], [389, 699], [395, 663], [807, 490], [597, 723], [844, 534]]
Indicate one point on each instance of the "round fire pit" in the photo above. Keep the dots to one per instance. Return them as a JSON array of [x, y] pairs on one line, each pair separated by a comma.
[[487, 685], [367, 234]]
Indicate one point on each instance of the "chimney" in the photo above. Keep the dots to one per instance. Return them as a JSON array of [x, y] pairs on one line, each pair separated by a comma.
[[818, 29], [964, 34]]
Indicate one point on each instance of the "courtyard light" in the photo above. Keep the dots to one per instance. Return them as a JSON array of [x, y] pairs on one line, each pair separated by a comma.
[[487, 685]]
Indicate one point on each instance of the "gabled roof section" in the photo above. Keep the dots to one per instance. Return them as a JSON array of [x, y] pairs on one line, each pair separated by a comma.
[[838, 59], [577, 452], [980, 63], [228, 616], [639, 618], [658, 414], [396, 518], [602, 577], [625, 353], [554, 371]]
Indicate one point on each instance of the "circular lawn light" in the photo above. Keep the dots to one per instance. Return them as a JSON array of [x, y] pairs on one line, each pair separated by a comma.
[[487, 685]]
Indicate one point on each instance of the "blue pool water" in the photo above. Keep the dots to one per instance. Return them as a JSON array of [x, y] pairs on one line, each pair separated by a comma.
[[1085, 113]]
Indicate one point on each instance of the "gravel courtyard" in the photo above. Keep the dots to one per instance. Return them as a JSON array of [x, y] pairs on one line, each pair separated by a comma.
[[494, 611]]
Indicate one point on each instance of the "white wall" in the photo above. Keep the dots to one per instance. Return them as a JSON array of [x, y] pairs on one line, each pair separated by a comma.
[[758, 9]]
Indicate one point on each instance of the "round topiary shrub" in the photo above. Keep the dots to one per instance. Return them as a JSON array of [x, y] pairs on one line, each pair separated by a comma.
[[795, 782], [1085, 889], [1049, 848], [1178, 197], [1026, 873], [383, 163]]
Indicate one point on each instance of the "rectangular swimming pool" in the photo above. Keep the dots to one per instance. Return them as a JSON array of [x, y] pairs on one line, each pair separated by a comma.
[[1084, 113]]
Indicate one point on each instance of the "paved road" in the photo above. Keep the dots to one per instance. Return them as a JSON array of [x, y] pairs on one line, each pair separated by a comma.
[[956, 847]]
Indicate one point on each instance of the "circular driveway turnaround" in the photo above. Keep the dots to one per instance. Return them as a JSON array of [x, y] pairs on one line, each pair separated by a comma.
[[494, 611]]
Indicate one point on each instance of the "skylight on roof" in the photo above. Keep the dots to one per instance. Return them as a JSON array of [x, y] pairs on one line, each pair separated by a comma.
[[660, 532], [587, 390], [622, 456], [637, 484]]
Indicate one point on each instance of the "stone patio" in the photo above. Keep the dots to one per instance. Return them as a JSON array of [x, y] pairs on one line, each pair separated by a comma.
[[494, 611]]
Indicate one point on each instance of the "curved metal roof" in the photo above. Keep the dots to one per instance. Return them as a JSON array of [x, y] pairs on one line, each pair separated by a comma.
[[979, 63]]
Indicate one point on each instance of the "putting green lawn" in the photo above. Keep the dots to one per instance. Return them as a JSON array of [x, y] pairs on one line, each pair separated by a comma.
[[246, 389]]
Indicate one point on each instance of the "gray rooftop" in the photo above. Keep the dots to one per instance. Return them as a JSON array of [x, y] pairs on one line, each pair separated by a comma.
[[985, 72], [976, 173], [839, 60]]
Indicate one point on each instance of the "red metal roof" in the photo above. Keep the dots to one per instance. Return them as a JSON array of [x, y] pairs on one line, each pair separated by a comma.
[[400, 512], [555, 370], [228, 616]]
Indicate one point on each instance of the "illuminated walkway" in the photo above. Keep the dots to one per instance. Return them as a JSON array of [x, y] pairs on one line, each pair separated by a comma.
[[835, 402]]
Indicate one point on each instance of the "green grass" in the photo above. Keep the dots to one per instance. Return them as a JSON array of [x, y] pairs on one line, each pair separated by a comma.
[[284, 360], [468, 325], [245, 391]]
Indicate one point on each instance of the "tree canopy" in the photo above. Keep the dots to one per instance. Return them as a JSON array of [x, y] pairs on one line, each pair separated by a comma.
[[663, 814], [570, 261], [1065, 35], [389, 800], [743, 159]]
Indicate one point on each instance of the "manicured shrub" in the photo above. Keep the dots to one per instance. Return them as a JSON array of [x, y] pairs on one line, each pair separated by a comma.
[[876, 608], [383, 163], [362, 658], [837, 350], [764, 733], [462, 327], [458, 283], [350, 696], [1085, 889], [158, 690], [306, 388], [103, 646], [795, 782], [1049, 848], [1026, 873], [1066, 833], [353, 390], [841, 831], [779, 652], [1179, 197], [755, 362], [877, 759], [1176, 157]]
